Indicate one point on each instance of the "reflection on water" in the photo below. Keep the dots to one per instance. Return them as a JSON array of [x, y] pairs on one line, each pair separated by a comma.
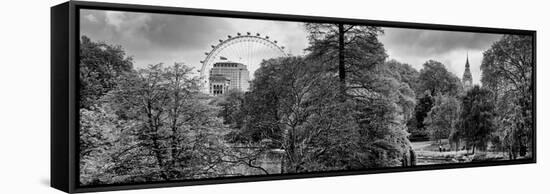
[[269, 162]]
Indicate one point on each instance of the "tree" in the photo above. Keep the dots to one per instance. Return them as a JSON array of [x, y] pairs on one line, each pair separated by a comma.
[[100, 65], [98, 132], [407, 86], [507, 70], [296, 107], [345, 49], [510, 135], [442, 118], [409, 76], [175, 127], [476, 118], [355, 54], [231, 108], [405, 73], [109, 152], [423, 106], [435, 78], [384, 104]]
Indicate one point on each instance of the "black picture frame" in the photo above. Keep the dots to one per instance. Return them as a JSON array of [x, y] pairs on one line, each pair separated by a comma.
[[64, 92]]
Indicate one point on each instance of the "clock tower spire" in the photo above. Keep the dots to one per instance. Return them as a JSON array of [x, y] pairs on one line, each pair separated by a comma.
[[467, 77]]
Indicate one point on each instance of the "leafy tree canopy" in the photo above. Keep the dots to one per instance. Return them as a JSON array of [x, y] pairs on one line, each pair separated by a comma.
[[435, 79], [476, 118], [100, 65], [443, 117]]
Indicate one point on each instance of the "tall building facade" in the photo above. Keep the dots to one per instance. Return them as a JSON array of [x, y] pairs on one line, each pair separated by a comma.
[[235, 75], [219, 84], [467, 77]]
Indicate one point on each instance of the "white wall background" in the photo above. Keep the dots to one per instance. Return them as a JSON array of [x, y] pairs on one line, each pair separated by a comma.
[[25, 95]]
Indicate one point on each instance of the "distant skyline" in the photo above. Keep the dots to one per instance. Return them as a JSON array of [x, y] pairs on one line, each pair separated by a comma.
[[165, 38], [414, 46]]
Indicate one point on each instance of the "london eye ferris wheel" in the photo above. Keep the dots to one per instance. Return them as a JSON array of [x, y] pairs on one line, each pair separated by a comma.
[[248, 49]]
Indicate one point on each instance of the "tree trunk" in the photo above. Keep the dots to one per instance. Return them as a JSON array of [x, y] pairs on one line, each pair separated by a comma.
[[341, 64], [283, 163], [413, 156]]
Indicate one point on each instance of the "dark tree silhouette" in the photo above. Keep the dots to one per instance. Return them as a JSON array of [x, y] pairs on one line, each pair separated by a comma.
[[476, 118]]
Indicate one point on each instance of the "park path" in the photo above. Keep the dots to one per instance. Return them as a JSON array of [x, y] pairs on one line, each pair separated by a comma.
[[426, 156], [420, 145]]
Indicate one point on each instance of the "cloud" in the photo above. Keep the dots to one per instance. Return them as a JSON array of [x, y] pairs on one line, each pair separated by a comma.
[[166, 38], [150, 38], [114, 18], [91, 18], [416, 46], [435, 42]]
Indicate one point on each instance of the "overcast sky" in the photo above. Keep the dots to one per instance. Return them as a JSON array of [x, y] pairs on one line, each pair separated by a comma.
[[450, 48], [163, 38]]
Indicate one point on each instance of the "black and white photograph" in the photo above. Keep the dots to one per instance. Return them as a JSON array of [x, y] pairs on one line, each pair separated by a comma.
[[275, 97], [174, 97]]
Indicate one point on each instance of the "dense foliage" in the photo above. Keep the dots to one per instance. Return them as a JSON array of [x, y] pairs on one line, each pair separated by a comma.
[[442, 118], [100, 65], [507, 70], [341, 106], [436, 79], [476, 118]]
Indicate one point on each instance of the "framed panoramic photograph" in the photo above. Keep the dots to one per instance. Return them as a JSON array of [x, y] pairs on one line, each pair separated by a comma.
[[148, 96]]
